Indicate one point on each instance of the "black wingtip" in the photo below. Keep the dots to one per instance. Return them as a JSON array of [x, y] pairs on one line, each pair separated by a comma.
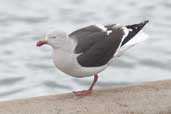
[[146, 21], [135, 29], [143, 23]]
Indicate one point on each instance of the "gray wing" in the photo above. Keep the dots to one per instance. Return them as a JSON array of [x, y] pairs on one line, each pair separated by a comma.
[[95, 45], [86, 37]]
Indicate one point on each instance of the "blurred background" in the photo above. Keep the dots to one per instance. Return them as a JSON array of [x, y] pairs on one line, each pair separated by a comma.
[[27, 71]]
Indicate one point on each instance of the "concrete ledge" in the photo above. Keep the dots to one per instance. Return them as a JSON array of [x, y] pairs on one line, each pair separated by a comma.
[[146, 98]]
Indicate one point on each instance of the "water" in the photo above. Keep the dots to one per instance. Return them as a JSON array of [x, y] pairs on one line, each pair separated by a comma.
[[27, 71]]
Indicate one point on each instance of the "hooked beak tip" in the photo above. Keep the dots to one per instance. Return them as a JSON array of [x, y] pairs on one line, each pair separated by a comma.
[[42, 42]]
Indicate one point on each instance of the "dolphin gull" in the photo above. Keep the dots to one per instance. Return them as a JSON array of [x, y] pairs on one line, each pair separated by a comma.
[[89, 50]]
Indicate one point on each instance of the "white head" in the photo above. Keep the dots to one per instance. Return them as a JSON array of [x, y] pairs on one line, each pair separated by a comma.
[[56, 39]]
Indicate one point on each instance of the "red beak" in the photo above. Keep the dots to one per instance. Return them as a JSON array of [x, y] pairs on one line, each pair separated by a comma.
[[42, 42]]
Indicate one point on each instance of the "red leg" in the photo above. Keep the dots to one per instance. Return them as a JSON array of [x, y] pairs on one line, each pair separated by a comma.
[[86, 92]]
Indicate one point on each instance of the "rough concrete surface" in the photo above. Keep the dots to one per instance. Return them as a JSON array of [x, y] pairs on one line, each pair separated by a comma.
[[145, 98]]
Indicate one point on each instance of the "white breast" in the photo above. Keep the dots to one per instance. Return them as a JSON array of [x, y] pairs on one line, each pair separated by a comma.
[[68, 64]]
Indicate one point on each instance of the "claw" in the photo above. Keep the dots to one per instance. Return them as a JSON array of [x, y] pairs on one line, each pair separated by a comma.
[[86, 92], [82, 93]]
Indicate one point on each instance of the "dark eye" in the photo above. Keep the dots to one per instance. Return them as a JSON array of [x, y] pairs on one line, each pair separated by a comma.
[[53, 37]]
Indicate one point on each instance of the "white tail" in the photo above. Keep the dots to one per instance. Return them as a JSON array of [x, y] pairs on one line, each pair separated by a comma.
[[140, 37]]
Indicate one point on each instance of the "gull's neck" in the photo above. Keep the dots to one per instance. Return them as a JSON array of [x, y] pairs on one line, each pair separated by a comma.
[[68, 46]]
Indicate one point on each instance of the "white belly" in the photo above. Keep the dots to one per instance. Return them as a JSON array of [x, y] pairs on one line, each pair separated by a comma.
[[68, 64]]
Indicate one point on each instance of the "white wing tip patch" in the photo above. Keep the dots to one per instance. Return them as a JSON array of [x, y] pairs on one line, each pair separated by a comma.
[[126, 32], [109, 32]]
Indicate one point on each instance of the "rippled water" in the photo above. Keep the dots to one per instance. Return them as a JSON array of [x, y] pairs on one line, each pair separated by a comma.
[[26, 70]]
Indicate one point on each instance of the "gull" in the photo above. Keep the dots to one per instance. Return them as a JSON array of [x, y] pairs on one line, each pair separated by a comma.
[[90, 50]]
